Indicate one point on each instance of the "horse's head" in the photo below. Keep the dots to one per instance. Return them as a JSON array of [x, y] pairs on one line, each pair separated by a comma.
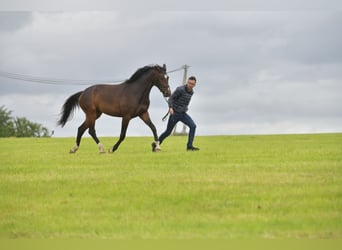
[[162, 80]]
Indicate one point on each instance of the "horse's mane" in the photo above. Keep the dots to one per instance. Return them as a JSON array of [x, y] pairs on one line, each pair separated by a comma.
[[141, 72]]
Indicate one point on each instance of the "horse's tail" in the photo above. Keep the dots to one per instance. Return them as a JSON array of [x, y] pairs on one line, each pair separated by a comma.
[[68, 107]]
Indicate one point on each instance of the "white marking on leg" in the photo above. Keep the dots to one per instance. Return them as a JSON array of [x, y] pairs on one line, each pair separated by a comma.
[[73, 150], [110, 150], [157, 149], [101, 148]]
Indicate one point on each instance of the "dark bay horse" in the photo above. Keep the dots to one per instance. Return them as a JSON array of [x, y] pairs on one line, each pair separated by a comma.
[[127, 100]]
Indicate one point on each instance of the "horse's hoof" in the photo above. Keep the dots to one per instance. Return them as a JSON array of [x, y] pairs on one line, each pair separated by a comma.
[[101, 148], [110, 151], [156, 150], [155, 147], [73, 150]]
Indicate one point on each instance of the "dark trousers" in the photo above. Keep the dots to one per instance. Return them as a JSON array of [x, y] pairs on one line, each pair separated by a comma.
[[179, 117]]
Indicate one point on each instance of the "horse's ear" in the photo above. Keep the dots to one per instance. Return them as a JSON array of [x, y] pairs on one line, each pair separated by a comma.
[[164, 66]]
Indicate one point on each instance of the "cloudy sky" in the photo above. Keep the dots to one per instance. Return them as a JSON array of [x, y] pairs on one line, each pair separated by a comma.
[[259, 72]]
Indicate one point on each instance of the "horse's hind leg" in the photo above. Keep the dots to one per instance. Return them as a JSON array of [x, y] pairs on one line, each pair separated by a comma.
[[92, 132], [80, 132]]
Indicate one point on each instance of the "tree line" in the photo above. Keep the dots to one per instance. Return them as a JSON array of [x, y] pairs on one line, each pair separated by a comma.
[[19, 126]]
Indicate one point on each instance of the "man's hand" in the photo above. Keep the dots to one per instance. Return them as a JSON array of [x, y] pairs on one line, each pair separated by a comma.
[[171, 111]]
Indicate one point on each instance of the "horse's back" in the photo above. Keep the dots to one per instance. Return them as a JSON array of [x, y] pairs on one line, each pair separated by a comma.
[[103, 98]]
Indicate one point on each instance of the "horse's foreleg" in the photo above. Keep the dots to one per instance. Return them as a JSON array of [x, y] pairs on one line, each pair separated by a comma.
[[146, 118], [124, 125]]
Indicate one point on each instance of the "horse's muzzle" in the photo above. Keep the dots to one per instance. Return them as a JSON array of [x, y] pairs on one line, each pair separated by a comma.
[[167, 92]]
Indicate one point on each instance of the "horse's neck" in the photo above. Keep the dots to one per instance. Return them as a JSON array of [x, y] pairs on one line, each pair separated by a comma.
[[142, 87]]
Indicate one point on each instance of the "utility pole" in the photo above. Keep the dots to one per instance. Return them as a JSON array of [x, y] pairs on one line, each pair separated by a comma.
[[185, 74]]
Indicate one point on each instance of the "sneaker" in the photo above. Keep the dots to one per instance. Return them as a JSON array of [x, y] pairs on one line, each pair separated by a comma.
[[192, 148]]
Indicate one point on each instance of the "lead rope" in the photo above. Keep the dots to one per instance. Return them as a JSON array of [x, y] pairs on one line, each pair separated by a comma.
[[165, 116], [168, 112]]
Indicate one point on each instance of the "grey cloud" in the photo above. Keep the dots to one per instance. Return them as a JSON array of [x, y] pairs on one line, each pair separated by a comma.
[[256, 71], [316, 40], [11, 21]]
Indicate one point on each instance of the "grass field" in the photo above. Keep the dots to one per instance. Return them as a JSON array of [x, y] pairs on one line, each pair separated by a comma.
[[281, 186]]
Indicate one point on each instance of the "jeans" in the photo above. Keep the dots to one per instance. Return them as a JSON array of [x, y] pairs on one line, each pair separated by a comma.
[[179, 117]]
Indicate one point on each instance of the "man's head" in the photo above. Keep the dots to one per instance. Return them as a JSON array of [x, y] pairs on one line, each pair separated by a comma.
[[191, 83]]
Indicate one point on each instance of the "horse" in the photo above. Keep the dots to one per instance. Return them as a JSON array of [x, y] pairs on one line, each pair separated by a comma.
[[128, 100]]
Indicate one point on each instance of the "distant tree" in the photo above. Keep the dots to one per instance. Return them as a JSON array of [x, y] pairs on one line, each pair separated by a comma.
[[25, 128], [6, 123], [20, 126], [44, 132]]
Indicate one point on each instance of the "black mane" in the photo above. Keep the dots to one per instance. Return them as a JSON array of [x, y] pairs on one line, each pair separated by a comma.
[[141, 72]]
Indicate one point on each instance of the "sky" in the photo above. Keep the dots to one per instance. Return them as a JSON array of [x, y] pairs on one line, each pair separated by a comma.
[[258, 72]]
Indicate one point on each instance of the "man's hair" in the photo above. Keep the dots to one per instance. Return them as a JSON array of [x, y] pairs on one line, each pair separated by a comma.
[[192, 78]]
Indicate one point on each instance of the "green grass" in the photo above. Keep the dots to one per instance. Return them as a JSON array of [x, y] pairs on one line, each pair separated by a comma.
[[281, 186]]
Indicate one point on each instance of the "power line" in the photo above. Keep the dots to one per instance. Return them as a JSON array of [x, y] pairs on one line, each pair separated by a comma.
[[61, 81], [178, 69], [50, 81]]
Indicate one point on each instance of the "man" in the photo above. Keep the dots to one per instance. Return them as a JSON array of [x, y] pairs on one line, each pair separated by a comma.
[[178, 106]]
